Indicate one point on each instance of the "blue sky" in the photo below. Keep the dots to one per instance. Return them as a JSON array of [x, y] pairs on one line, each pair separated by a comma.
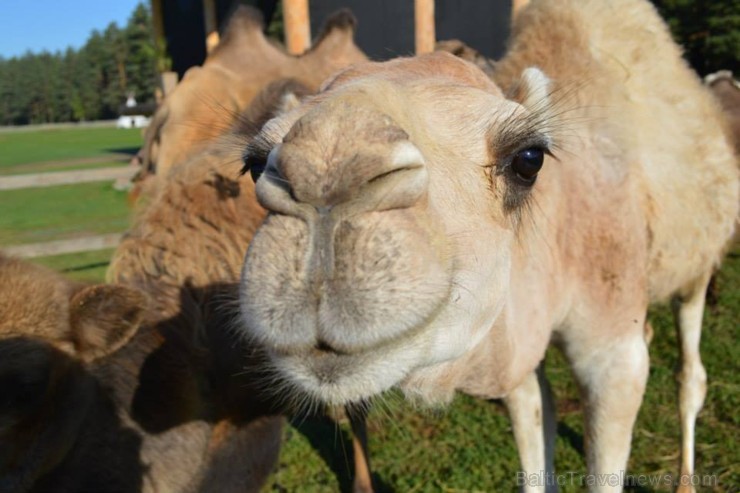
[[55, 24]]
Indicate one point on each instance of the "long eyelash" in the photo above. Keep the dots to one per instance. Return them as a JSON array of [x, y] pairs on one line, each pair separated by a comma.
[[256, 151], [549, 125]]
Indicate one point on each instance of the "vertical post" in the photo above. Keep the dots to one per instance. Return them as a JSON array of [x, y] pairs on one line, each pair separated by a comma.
[[157, 20], [209, 17], [297, 27], [424, 26], [167, 78]]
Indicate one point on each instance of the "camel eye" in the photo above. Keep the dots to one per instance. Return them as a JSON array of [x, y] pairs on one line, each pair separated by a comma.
[[527, 163], [255, 164]]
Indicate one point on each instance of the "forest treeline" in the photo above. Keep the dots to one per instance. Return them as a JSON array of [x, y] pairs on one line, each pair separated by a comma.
[[89, 83], [92, 82]]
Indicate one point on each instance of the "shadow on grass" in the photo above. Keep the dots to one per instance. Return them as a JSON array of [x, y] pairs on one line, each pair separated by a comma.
[[123, 150], [574, 438], [334, 446], [79, 268]]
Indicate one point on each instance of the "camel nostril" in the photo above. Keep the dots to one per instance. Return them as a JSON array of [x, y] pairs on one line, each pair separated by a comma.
[[322, 347]]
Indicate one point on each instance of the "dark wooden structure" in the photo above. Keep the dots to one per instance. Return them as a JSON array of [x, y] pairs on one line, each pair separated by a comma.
[[188, 26], [386, 28]]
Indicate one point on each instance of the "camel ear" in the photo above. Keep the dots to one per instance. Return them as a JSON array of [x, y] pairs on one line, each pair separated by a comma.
[[534, 89], [103, 318], [292, 98]]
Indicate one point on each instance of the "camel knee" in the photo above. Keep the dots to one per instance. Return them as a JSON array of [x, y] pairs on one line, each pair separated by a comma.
[[692, 380], [624, 366]]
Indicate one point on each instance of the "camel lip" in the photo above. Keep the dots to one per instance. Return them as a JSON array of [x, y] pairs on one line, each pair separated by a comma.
[[336, 379]]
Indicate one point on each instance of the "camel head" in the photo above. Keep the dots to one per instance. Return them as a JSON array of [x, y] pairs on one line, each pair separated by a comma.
[[202, 106], [87, 322], [394, 199]]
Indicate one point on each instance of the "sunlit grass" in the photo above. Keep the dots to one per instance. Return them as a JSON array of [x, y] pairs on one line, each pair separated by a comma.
[[44, 214], [65, 144]]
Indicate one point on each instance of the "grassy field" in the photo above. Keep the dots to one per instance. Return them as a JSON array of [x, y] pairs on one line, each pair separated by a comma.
[[68, 148], [466, 447], [43, 214], [53, 213]]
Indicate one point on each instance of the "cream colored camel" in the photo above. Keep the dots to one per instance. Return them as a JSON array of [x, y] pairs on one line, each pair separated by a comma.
[[432, 230]]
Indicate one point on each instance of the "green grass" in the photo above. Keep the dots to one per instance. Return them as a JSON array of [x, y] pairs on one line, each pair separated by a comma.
[[53, 213], [44, 214], [66, 144], [469, 447]]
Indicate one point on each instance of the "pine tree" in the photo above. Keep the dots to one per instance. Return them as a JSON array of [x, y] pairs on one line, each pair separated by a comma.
[[709, 32], [141, 59]]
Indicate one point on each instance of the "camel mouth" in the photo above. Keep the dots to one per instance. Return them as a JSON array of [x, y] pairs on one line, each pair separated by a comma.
[[324, 375], [331, 379]]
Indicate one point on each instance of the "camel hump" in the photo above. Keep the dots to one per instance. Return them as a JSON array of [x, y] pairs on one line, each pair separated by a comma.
[[244, 19], [243, 23], [341, 21]]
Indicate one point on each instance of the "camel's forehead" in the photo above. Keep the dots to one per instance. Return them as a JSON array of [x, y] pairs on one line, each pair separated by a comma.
[[440, 68], [424, 96]]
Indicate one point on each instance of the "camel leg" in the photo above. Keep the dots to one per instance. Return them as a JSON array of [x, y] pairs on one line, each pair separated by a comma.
[[358, 421], [692, 378], [612, 375], [530, 407]]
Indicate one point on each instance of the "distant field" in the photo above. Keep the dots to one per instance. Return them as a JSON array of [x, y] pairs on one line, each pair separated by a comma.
[[43, 214], [42, 150], [37, 215]]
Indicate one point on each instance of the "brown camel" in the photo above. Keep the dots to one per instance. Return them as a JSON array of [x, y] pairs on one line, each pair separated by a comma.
[[432, 230], [102, 394], [461, 50], [727, 90], [206, 102], [198, 222]]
